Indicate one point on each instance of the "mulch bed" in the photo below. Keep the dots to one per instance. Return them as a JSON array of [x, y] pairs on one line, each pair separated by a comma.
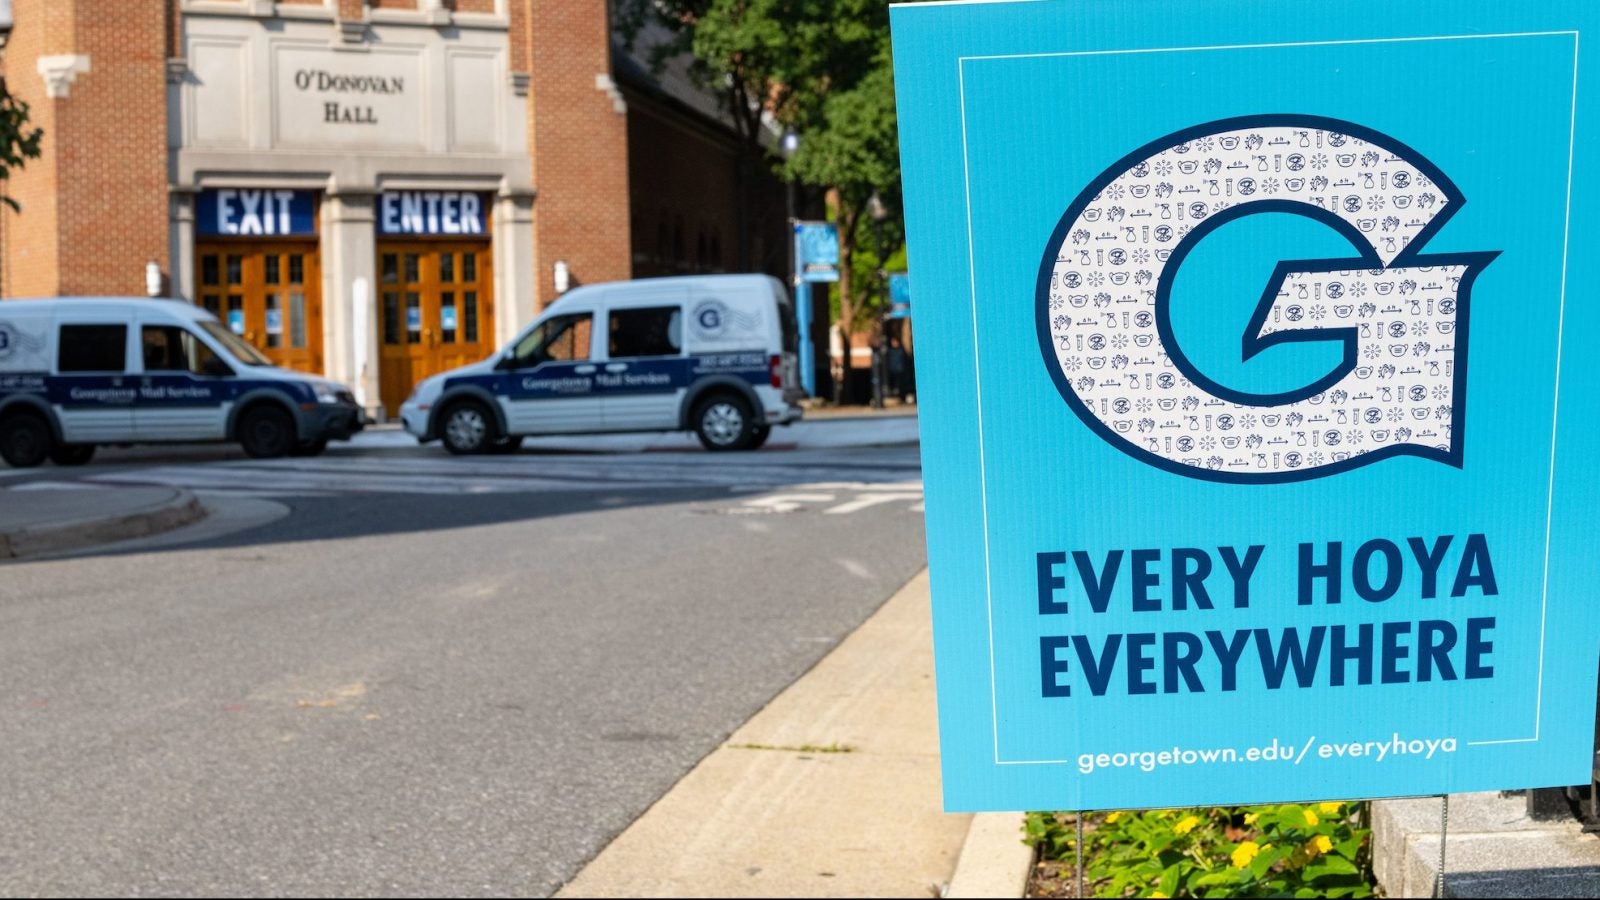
[[1053, 878]]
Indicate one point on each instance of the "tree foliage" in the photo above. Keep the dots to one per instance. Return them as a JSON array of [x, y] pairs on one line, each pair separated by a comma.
[[771, 60], [18, 142]]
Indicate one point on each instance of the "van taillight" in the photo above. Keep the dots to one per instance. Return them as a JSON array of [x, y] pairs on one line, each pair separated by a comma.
[[775, 368]]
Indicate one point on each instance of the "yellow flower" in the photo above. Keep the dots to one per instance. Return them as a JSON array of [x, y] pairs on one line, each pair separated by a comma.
[[1311, 816], [1245, 852], [1159, 894], [1112, 819], [1251, 818], [1318, 845], [1329, 809], [1186, 824]]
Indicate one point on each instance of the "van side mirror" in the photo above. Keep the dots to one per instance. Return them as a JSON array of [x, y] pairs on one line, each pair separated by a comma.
[[215, 368]]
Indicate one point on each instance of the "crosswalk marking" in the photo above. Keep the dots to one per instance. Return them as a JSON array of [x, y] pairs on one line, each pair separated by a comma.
[[336, 475], [869, 500]]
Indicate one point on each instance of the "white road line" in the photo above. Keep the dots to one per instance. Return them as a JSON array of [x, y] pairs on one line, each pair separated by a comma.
[[782, 503], [870, 500]]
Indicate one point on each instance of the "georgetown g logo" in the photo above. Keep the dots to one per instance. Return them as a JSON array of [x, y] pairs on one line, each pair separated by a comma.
[[1105, 286]]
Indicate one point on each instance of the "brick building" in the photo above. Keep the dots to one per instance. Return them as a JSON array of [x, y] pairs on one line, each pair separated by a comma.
[[374, 189]]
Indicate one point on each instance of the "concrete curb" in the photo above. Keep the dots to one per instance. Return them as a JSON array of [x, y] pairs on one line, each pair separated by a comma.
[[994, 861], [182, 508]]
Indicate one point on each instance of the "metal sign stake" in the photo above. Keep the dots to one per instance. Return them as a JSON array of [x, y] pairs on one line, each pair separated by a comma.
[[1444, 828]]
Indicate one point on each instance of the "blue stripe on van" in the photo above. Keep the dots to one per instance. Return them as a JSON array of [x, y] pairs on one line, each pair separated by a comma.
[[642, 376], [166, 390]]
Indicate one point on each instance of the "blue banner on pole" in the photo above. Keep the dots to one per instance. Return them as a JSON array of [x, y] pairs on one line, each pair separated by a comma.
[[816, 251], [1221, 507]]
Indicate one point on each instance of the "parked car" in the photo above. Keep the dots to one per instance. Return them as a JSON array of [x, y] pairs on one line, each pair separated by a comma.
[[712, 354], [80, 372]]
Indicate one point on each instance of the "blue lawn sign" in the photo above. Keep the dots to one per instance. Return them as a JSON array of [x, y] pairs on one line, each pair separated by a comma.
[[899, 295], [1256, 422], [816, 251]]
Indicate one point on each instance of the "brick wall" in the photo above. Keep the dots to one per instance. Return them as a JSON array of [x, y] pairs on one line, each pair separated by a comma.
[[579, 145], [95, 206], [683, 203]]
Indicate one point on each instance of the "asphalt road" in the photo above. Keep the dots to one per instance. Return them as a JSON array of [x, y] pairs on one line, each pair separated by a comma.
[[419, 690]]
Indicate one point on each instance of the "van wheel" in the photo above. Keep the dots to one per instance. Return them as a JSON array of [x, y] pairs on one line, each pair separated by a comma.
[[266, 432], [723, 422], [758, 436], [71, 454], [466, 428], [24, 441]]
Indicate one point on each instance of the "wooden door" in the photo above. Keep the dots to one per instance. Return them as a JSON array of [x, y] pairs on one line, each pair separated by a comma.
[[269, 293], [435, 311]]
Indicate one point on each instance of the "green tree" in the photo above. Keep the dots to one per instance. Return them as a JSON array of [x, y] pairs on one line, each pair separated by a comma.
[[18, 142], [855, 150]]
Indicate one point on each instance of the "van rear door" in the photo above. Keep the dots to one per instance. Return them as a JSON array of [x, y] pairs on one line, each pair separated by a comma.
[[91, 391]]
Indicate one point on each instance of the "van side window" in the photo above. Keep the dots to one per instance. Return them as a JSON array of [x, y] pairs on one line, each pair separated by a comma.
[[93, 348], [560, 339], [168, 348], [649, 331]]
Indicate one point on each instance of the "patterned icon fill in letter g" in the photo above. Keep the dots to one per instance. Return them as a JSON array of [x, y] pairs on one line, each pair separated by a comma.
[[1105, 286]]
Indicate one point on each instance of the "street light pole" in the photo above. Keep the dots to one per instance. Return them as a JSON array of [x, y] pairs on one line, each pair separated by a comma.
[[878, 212], [802, 291]]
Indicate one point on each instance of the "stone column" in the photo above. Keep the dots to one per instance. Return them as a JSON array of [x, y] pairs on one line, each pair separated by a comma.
[[181, 249], [515, 280], [349, 267]]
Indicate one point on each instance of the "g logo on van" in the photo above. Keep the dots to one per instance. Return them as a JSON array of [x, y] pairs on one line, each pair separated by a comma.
[[709, 317], [1105, 283]]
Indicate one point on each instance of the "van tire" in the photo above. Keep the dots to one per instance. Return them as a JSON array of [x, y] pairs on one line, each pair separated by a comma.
[[71, 454], [723, 422], [24, 440], [466, 427], [266, 432]]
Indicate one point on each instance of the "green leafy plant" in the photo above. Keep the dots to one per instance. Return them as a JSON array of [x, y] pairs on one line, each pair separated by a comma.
[[1310, 850]]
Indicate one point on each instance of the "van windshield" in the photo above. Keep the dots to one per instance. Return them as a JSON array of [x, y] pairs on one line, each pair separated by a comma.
[[234, 344]]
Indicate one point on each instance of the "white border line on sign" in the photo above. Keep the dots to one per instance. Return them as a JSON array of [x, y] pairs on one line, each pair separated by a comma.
[[972, 276]]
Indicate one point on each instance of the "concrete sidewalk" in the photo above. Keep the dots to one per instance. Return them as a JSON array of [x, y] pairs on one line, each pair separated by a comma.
[[832, 790], [44, 522]]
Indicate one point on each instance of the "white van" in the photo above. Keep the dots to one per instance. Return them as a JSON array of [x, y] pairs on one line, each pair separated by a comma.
[[78, 372], [712, 354]]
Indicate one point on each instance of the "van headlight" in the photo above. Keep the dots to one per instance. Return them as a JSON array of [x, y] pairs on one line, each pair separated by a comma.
[[330, 395]]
